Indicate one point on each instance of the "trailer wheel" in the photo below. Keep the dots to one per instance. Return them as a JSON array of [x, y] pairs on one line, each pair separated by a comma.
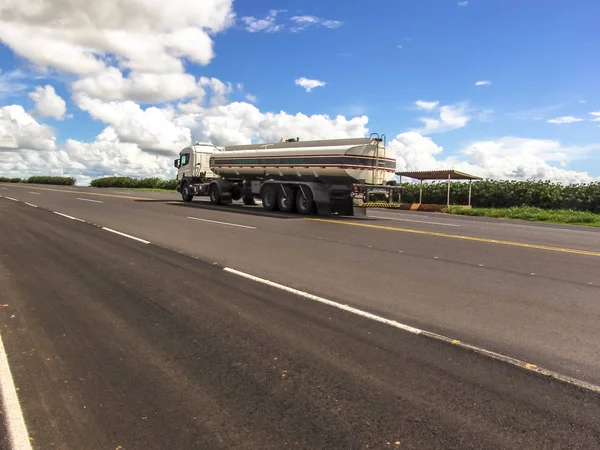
[[269, 198], [304, 200], [286, 198], [186, 193], [214, 194]]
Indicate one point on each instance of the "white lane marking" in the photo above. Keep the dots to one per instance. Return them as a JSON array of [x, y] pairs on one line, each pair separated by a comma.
[[31, 204], [15, 422], [4, 189], [223, 223], [88, 200], [68, 217], [36, 193], [316, 298], [13, 199], [411, 220], [438, 337], [126, 235]]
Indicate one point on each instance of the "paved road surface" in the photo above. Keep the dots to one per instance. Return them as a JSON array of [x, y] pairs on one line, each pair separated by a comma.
[[114, 342]]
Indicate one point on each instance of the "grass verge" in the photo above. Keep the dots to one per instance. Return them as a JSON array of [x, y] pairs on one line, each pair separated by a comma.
[[564, 216]]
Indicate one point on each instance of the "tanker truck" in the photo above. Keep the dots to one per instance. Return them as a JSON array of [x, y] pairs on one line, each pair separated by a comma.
[[307, 177]]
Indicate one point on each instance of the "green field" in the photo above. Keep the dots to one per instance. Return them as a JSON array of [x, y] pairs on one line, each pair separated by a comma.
[[563, 216]]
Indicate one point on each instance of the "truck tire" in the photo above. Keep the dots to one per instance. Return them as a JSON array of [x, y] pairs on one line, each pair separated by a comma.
[[305, 203], [269, 198], [186, 193], [214, 194], [286, 199]]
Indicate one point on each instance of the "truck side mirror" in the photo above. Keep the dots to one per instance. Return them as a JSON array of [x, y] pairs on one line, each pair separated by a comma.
[[177, 163]]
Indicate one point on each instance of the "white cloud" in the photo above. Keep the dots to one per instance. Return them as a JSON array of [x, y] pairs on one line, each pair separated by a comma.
[[153, 129], [219, 90], [78, 36], [267, 24], [449, 117], [564, 119], [10, 83], [463, 3], [483, 83], [239, 123], [596, 115], [18, 130], [426, 105], [251, 98], [140, 87], [303, 22], [309, 84], [504, 158], [48, 103]]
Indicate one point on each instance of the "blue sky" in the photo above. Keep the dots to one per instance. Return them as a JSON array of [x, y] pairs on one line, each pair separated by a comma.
[[540, 58]]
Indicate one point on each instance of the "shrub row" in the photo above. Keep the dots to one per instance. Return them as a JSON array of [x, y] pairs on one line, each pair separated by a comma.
[[63, 181], [134, 183], [506, 194], [10, 180]]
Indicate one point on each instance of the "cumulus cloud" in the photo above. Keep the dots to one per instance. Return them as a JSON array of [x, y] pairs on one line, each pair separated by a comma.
[[309, 84], [463, 3], [48, 103], [504, 158], [251, 98], [303, 22], [596, 115], [11, 83], [241, 123], [267, 23], [153, 129], [140, 87], [483, 83], [421, 104], [77, 37], [448, 117], [564, 119], [19, 130]]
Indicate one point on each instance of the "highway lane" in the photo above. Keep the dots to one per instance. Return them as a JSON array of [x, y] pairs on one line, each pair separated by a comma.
[[118, 344], [537, 305]]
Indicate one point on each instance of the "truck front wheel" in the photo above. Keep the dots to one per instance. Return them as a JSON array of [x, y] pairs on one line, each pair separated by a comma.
[[186, 194], [269, 198], [215, 195]]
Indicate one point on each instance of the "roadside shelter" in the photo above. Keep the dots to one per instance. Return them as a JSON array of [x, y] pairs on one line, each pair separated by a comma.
[[438, 175]]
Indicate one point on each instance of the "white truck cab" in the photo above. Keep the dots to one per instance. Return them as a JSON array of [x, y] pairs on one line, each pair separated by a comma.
[[194, 162]]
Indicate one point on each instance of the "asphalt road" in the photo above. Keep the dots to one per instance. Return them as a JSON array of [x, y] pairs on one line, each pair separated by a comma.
[[114, 342]]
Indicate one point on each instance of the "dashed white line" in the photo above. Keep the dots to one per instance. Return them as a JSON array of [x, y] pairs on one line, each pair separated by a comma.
[[36, 193], [223, 223], [68, 217], [31, 204], [438, 337], [88, 200], [412, 220], [13, 199], [15, 422], [4, 189], [126, 235]]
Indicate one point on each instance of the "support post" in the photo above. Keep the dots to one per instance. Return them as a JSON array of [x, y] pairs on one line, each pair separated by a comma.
[[421, 192], [448, 202], [470, 183]]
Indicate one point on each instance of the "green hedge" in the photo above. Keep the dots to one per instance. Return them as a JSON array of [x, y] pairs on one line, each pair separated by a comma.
[[62, 181], [506, 194], [134, 183], [10, 180]]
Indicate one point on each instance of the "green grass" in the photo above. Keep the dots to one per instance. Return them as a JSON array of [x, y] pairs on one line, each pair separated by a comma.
[[170, 191], [564, 216]]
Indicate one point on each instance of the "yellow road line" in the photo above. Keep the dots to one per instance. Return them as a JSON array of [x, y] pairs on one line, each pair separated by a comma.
[[87, 193], [465, 238]]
